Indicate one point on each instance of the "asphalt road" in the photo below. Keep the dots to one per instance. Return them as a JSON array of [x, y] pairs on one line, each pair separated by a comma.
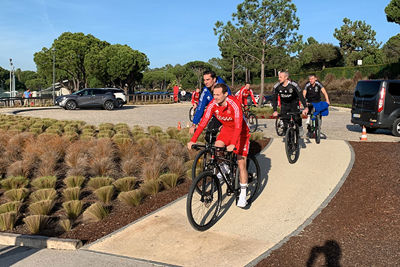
[[336, 126]]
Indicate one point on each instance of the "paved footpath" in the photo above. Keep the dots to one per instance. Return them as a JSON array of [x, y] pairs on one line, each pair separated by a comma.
[[290, 196]]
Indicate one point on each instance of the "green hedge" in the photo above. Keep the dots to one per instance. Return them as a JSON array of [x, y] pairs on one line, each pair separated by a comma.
[[381, 71]]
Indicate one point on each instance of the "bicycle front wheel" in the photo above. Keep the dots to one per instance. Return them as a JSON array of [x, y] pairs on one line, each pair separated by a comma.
[[254, 180], [200, 162], [202, 206], [292, 145], [279, 127], [318, 129], [253, 122], [192, 111]]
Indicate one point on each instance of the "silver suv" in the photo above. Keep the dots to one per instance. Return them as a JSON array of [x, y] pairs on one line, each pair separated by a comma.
[[88, 97]]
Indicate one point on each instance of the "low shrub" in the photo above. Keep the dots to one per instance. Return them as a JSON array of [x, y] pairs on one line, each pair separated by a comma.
[[153, 130], [72, 208], [105, 134], [131, 198], [10, 207], [257, 136], [97, 182], [7, 220], [43, 194], [151, 187], [65, 224], [169, 180], [43, 207], [71, 193], [17, 194], [176, 165], [35, 223], [74, 181], [95, 212], [14, 182], [125, 184], [105, 194], [44, 182], [106, 126]]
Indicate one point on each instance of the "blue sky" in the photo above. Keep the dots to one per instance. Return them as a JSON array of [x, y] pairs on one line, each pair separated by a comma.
[[168, 32]]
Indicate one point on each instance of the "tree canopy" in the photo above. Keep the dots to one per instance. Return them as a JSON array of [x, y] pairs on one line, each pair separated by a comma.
[[392, 11]]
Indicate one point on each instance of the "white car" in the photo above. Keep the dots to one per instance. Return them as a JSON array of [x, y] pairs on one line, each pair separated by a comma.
[[120, 96]]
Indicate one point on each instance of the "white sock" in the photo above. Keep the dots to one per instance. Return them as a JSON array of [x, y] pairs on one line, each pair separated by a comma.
[[243, 190]]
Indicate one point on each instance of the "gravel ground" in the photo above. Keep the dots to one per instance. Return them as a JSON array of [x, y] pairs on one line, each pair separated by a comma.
[[335, 126]]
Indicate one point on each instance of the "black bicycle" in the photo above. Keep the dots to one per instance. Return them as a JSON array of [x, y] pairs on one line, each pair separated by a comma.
[[192, 111], [251, 118], [314, 128], [205, 194], [292, 144], [279, 126], [204, 155]]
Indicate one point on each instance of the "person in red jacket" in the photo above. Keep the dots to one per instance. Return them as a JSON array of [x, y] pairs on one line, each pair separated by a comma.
[[234, 133], [244, 93], [195, 97]]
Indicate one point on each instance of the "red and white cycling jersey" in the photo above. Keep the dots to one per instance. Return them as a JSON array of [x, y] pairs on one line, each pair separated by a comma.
[[243, 94], [195, 98], [234, 130]]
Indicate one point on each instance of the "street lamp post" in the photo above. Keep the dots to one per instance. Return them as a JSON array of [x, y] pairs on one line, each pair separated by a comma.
[[12, 81], [54, 73]]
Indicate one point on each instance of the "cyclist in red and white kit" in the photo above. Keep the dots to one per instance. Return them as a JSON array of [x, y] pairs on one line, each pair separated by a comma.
[[234, 132], [196, 98], [244, 93]]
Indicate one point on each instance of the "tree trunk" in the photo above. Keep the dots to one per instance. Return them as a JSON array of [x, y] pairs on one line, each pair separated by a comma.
[[262, 77], [246, 75], [233, 72], [275, 74]]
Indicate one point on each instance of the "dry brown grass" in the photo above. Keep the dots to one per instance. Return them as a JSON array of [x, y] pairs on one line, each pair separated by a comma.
[[76, 158], [103, 158], [52, 152], [16, 145], [175, 148], [152, 168], [176, 165]]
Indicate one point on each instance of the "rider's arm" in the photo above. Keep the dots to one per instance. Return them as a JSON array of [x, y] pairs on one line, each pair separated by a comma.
[[205, 98], [204, 121], [326, 95], [252, 97], [194, 93], [238, 119]]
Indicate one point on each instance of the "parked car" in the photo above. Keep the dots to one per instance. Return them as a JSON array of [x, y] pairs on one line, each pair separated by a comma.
[[119, 95], [376, 104], [88, 97]]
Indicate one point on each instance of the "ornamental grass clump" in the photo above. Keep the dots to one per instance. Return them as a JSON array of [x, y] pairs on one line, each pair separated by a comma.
[[106, 126], [72, 193], [172, 132], [72, 208], [12, 206], [153, 130], [132, 198], [96, 212], [105, 194], [14, 182], [65, 224], [105, 134], [44, 182], [43, 194], [169, 180], [43, 207], [122, 128], [97, 182], [256, 136], [7, 220], [74, 181], [17, 194], [125, 184], [35, 223], [103, 158], [176, 165], [151, 187]]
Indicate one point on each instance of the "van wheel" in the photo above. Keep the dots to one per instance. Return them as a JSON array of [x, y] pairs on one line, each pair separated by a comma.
[[396, 127], [70, 105], [109, 105], [120, 103]]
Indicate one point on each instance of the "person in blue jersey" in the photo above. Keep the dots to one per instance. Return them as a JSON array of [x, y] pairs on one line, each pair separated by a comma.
[[210, 79]]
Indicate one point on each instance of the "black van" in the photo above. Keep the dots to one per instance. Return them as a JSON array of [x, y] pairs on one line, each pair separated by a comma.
[[376, 104]]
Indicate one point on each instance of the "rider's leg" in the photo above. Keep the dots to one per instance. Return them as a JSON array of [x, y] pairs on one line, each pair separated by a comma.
[[242, 202]]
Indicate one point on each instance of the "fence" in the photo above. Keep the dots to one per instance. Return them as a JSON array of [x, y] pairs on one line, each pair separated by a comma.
[[149, 98], [32, 101]]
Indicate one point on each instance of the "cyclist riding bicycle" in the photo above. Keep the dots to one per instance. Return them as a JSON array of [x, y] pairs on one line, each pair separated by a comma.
[[195, 97], [210, 80], [312, 93], [234, 133], [290, 95], [244, 93]]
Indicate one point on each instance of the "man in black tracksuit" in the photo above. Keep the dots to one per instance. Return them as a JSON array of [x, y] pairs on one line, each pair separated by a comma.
[[290, 94]]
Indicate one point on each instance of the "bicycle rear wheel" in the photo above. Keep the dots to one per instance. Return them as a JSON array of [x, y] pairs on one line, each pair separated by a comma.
[[279, 127], [202, 206], [254, 180], [292, 145], [318, 129], [253, 122], [192, 111]]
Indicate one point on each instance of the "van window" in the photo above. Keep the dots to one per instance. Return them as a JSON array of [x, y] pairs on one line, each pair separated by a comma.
[[367, 88], [394, 89]]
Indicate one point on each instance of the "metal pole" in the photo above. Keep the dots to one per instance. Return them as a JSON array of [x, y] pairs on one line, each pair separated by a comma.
[[54, 74], [10, 76]]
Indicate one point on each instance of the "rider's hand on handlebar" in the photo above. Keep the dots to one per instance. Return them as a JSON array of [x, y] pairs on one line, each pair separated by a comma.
[[189, 145], [230, 148], [275, 114]]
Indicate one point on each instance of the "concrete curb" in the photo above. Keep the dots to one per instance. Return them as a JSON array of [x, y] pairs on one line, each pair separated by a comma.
[[40, 242]]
